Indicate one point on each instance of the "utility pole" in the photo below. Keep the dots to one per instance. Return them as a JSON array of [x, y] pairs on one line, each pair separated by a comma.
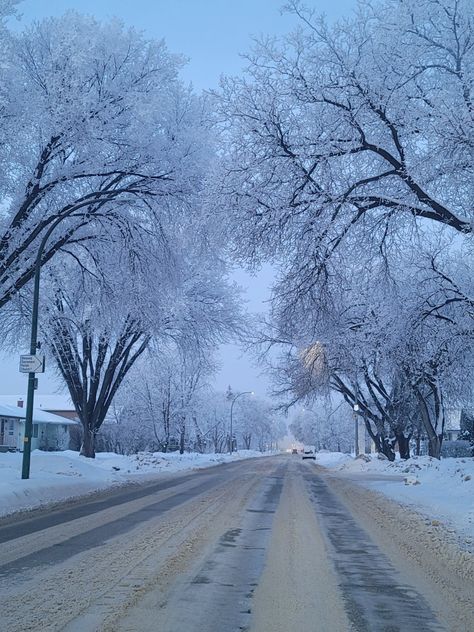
[[356, 430]]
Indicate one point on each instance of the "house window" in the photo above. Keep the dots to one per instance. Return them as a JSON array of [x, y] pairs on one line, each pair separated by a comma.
[[11, 427], [35, 431]]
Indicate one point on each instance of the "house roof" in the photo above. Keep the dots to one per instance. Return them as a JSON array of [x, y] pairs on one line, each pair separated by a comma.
[[39, 416]]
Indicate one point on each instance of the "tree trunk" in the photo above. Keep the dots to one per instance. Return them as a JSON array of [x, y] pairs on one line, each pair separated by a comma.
[[418, 444], [199, 439], [434, 446], [182, 434], [88, 444], [199, 444], [378, 437], [387, 449], [93, 366], [434, 440], [403, 445]]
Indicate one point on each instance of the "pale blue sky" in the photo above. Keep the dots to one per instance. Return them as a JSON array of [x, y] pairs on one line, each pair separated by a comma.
[[212, 34]]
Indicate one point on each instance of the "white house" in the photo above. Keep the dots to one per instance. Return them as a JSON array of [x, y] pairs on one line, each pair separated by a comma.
[[50, 432], [452, 428]]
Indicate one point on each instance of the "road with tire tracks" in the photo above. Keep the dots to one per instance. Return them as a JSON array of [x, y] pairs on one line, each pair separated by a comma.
[[266, 545]]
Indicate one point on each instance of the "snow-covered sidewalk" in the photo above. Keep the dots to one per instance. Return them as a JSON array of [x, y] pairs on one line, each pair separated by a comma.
[[57, 476], [442, 490]]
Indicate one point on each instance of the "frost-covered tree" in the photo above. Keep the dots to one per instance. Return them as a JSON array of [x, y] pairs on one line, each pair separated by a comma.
[[162, 404], [104, 150], [257, 424], [189, 379], [327, 426], [398, 341], [149, 415], [349, 145], [351, 133], [214, 420], [102, 315], [95, 125], [146, 403]]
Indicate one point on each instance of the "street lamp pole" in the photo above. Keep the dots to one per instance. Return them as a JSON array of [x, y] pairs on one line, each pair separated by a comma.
[[25, 470], [231, 409], [356, 430]]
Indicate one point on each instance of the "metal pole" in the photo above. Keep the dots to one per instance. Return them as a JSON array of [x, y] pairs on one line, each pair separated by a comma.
[[356, 429], [25, 469], [230, 436], [356, 436]]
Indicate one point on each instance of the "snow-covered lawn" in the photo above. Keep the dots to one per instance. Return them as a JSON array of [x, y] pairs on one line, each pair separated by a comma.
[[57, 476], [442, 490]]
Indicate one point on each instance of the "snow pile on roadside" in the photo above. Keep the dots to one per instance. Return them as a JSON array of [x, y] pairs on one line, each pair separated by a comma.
[[332, 459], [422, 468], [173, 461], [442, 490], [56, 476]]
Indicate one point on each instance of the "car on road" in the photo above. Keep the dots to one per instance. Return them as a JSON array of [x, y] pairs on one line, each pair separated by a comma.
[[309, 452], [294, 451]]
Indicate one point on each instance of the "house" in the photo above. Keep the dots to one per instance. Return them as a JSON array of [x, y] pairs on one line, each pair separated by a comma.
[[50, 432], [459, 421], [452, 434]]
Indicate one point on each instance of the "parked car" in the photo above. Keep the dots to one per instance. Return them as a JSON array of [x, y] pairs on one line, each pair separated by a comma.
[[309, 452]]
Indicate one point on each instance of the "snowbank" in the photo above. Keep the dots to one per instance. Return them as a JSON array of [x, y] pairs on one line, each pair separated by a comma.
[[56, 476], [332, 459], [442, 490]]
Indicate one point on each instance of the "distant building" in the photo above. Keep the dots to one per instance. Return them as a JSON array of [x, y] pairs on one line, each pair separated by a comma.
[[452, 434], [459, 424], [50, 431]]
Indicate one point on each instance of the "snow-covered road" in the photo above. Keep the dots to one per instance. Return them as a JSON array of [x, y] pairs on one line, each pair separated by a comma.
[[266, 545]]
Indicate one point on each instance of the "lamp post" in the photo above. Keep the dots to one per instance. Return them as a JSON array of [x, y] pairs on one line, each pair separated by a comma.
[[231, 442], [25, 470], [356, 430]]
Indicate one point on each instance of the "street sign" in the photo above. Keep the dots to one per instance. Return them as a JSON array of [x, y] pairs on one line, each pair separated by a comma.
[[32, 364]]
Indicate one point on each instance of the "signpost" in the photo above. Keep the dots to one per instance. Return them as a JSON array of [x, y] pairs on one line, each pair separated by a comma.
[[32, 364]]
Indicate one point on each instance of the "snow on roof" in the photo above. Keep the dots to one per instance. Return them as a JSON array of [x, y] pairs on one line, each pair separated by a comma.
[[39, 416], [46, 402]]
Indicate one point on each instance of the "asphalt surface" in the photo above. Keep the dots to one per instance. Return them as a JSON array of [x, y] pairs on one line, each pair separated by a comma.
[[188, 554], [375, 594]]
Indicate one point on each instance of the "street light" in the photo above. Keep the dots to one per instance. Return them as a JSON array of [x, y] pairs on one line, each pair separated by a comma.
[[231, 409], [356, 429]]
